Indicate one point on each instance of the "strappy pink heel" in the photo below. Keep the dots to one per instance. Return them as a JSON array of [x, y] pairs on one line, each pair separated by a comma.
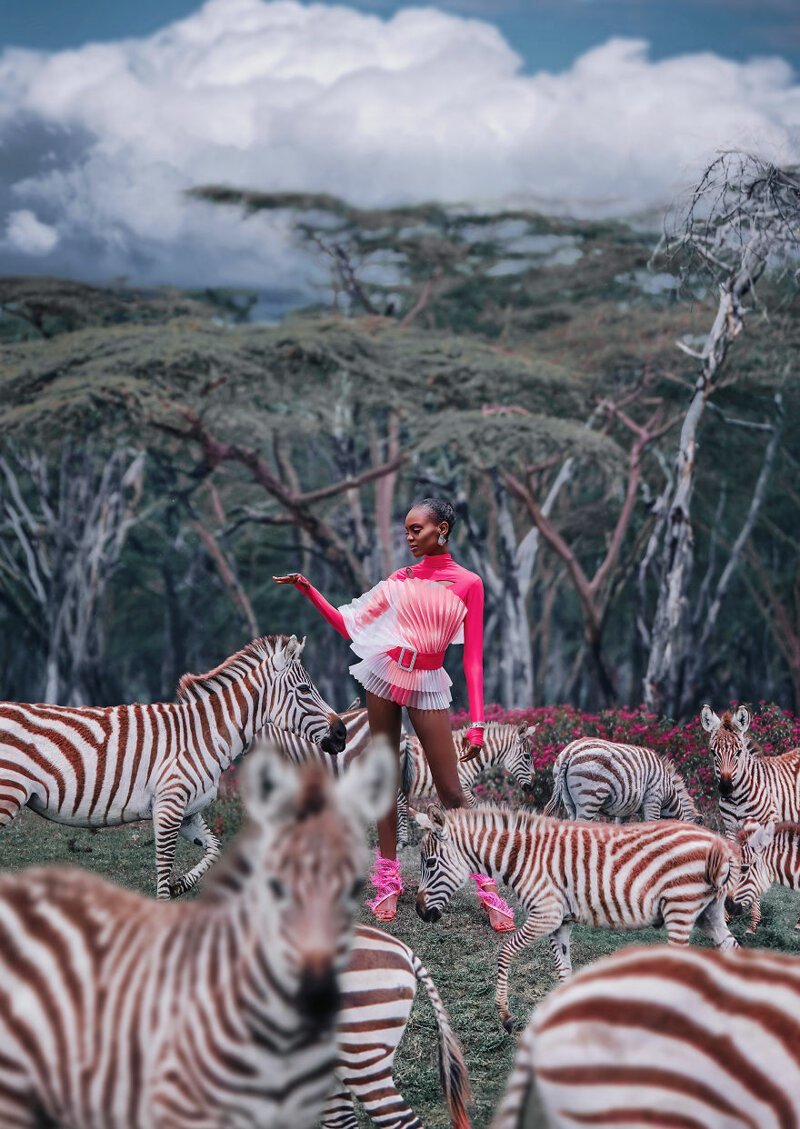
[[386, 879], [501, 917]]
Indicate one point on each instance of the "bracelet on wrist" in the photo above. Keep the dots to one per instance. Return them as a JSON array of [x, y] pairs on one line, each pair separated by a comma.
[[477, 725]]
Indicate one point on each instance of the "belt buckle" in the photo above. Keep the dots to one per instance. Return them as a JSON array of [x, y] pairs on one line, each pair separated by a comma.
[[413, 652]]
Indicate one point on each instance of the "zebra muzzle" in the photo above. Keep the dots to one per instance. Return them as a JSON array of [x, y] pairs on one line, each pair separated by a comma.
[[336, 739], [318, 996], [426, 912], [725, 786]]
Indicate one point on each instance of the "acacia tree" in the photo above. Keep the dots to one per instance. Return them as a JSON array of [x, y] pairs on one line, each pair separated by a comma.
[[743, 216]]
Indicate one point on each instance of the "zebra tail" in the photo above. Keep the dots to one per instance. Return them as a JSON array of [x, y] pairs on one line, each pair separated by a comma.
[[452, 1067], [406, 767], [558, 797], [511, 1113], [720, 870]]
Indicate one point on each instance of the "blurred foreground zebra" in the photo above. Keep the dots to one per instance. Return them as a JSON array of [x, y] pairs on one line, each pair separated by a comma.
[[378, 989], [751, 786], [92, 767], [504, 746], [663, 1038], [117, 1012], [770, 856], [620, 876], [593, 777]]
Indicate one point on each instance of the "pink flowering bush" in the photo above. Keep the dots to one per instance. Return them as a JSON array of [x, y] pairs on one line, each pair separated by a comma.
[[775, 730]]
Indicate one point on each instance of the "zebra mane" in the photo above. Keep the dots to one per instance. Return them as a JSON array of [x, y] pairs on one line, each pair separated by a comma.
[[192, 685], [787, 828]]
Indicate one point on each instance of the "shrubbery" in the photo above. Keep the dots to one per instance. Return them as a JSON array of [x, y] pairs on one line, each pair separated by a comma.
[[776, 730]]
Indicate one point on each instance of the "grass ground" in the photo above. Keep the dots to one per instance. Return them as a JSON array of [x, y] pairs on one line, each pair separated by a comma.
[[459, 951]]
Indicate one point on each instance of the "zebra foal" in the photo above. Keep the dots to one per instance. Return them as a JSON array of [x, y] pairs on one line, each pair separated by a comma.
[[663, 1038], [95, 767], [378, 989], [617, 876], [594, 777], [118, 1012]]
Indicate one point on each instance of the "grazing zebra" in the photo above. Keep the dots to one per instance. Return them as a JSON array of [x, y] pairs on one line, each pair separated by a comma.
[[751, 786], [619, 876], [93, 767], [593, 777], [300, 750], [504, 746], [378, 989], [661, 1038], [118, 1012], [770, 856]]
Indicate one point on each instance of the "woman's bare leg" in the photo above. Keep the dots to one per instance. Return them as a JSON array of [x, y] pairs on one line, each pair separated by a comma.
[[435, 732], [385, 717]]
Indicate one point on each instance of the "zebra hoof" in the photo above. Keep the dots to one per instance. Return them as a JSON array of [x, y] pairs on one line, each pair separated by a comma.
[[176, 889], [508, 1023]]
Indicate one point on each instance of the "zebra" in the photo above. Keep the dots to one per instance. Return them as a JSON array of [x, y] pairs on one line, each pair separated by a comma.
[[95, 767], [300, 750], [770, 855], [663, 1038], [593, 777], [378, 989], [617, 876], [121, 1012], [504, 746], [751, 786]]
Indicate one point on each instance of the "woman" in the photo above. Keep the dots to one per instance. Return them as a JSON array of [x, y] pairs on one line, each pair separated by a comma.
[[400, 630]]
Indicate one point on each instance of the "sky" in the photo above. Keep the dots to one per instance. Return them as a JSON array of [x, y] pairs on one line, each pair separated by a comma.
[[109, 111]]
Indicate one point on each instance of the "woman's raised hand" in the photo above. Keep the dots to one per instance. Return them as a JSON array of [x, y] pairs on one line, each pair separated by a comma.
[[295, 578], [469, 751]]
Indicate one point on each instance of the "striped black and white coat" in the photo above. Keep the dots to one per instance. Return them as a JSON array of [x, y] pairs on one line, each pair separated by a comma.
[[770, 857], [751, 786], [119, 1012], [593, 777], [378, 990], [661, 1038], [95, 767], [507, 747], [617, 876]]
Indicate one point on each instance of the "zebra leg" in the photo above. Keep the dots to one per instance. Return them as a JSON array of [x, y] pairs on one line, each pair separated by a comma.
[[559, 947], [402, 819], [382, 1101], [168, 811], [651, 809], [711, 923], [541, 921], [195, 829], [338, 1111]]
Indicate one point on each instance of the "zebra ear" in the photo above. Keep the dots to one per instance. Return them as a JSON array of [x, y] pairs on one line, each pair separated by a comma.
[[369, 787], [709, 720], [294, 647], [270, 782], [741, 719], [438, 821], [761, 838], [529, 731], [422, 819]]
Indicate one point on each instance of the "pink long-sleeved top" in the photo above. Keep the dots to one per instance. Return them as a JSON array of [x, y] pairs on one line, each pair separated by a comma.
[[440, 569]]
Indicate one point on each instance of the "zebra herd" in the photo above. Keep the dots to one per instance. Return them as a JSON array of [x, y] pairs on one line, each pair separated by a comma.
[[261, 1003]]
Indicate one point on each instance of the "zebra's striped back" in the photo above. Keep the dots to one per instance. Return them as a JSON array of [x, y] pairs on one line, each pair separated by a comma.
[[660, 1037], [378, 990], [299, 750], [618, 876], [132, 1014], [594, 777], [751, 786]]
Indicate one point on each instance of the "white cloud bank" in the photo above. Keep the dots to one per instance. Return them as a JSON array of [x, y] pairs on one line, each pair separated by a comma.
[[276, 95]]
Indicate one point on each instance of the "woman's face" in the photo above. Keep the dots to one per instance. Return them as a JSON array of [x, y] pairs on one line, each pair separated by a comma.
[[422, 532]]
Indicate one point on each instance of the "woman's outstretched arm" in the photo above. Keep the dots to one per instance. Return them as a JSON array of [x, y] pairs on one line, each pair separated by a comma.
[[327, 610]]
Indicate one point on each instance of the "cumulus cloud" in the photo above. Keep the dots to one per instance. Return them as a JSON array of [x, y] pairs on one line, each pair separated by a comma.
[[279, 95], [26, 233]]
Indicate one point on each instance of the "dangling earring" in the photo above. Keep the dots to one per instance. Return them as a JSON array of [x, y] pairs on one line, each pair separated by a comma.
[[442, 539]]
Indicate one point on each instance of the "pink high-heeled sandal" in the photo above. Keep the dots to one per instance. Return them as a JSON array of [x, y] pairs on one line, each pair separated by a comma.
[[386, 879], [501, 917]]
